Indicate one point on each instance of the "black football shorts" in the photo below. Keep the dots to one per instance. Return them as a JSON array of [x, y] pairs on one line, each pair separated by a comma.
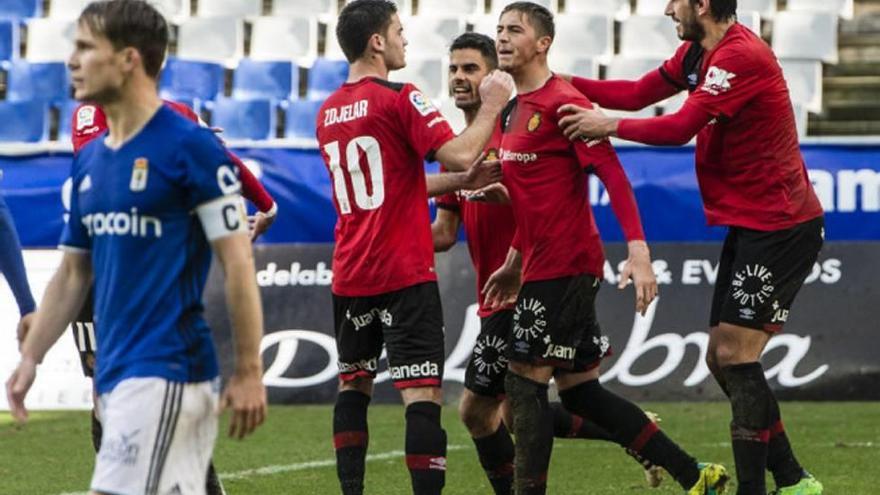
[[488, 364]]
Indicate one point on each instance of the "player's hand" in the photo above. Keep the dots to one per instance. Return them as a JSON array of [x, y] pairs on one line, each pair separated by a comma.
[[482, 173], [245, 394], [493, 193], [638, 267], [495, 89], [24, 326], [585, 123], [17, 388], [502, 287], [259, 223]]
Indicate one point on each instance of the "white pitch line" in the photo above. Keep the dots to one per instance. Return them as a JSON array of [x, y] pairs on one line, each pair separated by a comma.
[[300, 466]]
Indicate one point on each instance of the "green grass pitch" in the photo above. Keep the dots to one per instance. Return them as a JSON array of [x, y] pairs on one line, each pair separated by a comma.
[[292, 452]]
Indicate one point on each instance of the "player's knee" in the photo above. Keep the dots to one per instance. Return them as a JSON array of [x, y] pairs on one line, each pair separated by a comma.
[[726, 354], [360, 384], [478, 416], [421, 394], [540, 374]]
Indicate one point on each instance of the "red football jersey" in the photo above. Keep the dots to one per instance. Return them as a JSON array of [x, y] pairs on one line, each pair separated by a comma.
[[374, 136], [489, 229], [749, 165], [544, 173]]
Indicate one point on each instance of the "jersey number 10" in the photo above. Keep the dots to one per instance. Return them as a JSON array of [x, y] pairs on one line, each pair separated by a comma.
[[362, 198]]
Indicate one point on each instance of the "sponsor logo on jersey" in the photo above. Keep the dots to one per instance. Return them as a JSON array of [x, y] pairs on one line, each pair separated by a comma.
[[122, 223], [717, 81], [409, 371], [86, 184], [85, 117], [752, 285], [422, 104], [513, 156], [139, 174], [534, 122]]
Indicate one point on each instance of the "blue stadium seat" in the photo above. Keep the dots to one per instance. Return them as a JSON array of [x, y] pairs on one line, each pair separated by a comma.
[[8, 39], [19, 9], [266, 80], [23, 121], [36, 81], [65, 119], [191, 81], [244, 119], [300, 118], [325, 77]]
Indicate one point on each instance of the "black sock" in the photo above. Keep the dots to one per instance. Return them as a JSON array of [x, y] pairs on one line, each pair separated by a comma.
[[533, 427], [213, 485], [780, 458], [568, 425], [631, 429], [97, 431], [425, 448], [496, 453], [350, 438], [751, 404]]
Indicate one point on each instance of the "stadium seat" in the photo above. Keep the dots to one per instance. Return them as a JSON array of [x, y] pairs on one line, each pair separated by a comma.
[[428, 34], [255, 79], [767, 8], [47, 82], [404, 7], [300, 118], [573, 64], [804, 78], [651, 7], [485, 24], [49, 40], [620, 9], [498, 5], [331, 43], [285, 38], [750, 19], [647, 36], [67, 9], [20, 9], [325, 77], [175, 11], [304, 7], [229, 8], [584, 35], [631, 69], [428, 74], [244, 119], [191, 81], [453, 115], [211, 39], [23, 121], [801, 119], [843, 8], [807, 35], [9, 41], [451, 7]]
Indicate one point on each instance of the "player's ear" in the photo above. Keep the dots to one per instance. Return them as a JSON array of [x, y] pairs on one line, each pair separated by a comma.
[[130, 57], [376, 43], [544, 43]]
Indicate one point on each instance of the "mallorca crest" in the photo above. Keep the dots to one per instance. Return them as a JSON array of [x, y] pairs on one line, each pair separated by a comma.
[[139, 173], [534, 122]]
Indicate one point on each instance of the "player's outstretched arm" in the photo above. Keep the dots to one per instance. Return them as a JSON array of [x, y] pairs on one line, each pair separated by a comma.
[[245, 393], [625, 95], [480, 174], [61, 302], [12, 264], [460, 153], [668, 130], [444, 229]]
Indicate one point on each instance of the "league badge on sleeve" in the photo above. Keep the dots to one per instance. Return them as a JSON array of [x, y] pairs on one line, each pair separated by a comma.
[[139, 174], [85, 117], [422, 104]]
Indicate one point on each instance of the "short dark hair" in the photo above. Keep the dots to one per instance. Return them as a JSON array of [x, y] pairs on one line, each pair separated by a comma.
[[360, 20], [539, 17], [480, 42], [722, 10], [131, 23]]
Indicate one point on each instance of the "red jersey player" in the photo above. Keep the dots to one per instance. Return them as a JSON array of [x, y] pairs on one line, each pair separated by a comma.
[[89, 122], [374, 136], [555, 330], [752, 179]]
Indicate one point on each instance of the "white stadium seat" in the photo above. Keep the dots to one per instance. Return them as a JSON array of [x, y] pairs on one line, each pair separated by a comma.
[[590, 35], [498, 5], [404, 7], [809, 35], [211, 39], [485, 24], [67, 9], [804, 78], [428, 74], [451, 7], [801, 119], [173, 10], [304, 7], [631, 69], [843, 8], [50, 40], [332, 49], [651, 7], [285, 38], [229, 8], [573, 64], [428, 34], [620, 9], [648, 37], [453, 115], [767, 8], [751, 20]]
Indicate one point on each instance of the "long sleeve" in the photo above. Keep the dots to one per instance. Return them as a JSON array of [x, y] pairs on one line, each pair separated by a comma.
[[11, 262], [667, 130], [251, 188], [626, 95]]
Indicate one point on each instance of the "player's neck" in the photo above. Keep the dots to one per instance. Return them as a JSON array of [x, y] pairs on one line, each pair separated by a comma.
[[128, 115], [367, 67], [470, 115], [715, 32], [531, 76]]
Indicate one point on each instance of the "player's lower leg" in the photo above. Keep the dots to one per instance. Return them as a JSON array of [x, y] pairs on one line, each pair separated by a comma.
[[97, 431], [425, 448], [481, 416], [533, 427], [350, 439], [751, 403], [213, 486]]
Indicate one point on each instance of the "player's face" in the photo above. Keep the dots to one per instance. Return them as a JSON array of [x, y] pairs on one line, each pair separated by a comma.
[[684, 13], [395, 45], [516, 42], [467, 68], [96, 67]]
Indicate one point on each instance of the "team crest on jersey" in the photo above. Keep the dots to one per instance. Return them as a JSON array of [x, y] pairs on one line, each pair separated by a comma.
[[717, 81], [139, 173], [534, 122], [492, 154], [422, 104], [85, 117]]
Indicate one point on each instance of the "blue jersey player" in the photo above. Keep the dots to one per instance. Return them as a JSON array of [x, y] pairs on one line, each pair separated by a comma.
[[150, 200]]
